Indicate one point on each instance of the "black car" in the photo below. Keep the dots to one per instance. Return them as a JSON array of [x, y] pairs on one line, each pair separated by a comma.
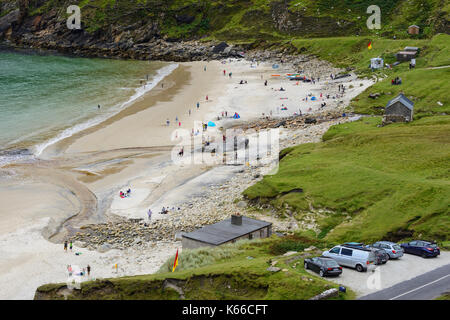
[[421, 248], [381, 256], [323, 266]]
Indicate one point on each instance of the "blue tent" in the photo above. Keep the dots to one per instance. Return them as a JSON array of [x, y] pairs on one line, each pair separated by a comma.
[[236, 116], [211, 124]]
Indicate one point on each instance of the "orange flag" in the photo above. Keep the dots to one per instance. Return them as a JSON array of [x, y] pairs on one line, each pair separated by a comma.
[[175, 263], [370, 45]]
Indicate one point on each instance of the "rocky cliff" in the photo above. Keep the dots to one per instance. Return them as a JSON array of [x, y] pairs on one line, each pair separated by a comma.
[[181, 30]]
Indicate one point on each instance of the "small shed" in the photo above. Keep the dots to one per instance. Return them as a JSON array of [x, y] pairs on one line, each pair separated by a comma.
[[228, 231], [406, 55], [399, 109], [413, 49], [376, 63], [413, 29]]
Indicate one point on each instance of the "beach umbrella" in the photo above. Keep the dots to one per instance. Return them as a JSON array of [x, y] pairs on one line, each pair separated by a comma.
[[211, 124], [313, 99]]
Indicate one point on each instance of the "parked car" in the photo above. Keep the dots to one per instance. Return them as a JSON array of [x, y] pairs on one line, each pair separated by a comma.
[[323, 266], [381, 256], [421, 248], [360, 259], [391, 248]]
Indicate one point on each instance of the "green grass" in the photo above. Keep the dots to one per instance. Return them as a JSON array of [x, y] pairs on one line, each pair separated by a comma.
[[383, 178], [240, 274], [425, 87]]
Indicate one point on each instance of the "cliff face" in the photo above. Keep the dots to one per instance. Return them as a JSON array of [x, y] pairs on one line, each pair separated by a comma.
[[155, 29]]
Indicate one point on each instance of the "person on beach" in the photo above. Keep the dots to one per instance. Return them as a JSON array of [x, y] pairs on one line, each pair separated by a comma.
[[65, 246], [224, 72], [198, 105], [168, 122], [207, 98], [98, 106], [204, 68], [189, 112], [70, 246], [179, 123], [88, 268], [149, 213], [265, 83]]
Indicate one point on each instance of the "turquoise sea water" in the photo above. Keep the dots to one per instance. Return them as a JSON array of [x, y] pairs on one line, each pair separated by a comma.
[[45, 98]]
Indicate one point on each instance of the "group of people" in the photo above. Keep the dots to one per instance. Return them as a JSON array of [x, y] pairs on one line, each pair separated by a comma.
[[83, 272], [396, 81], [124, 195], [70, 245]]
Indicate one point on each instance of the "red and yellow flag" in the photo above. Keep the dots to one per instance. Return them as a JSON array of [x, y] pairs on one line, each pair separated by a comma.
[[370, 45], [175, 263]]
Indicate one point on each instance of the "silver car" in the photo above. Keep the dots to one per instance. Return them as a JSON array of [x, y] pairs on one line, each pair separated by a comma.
[[391, 248], [348, 256]]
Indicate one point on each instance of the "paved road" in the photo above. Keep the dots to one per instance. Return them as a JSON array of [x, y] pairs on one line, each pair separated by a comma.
[[424, 287]]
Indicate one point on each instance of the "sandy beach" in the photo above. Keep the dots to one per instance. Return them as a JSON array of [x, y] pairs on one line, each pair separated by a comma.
[[77, 181]]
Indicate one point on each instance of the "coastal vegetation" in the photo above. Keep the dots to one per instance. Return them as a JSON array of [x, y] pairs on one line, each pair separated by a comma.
[[235, 271]]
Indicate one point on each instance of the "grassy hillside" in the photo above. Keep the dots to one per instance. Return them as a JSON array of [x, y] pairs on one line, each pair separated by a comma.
[[352, 51], [377, 180], [230, 272], [252, 20]]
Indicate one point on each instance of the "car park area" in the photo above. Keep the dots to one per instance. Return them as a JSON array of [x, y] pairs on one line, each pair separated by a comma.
[[387, 275]]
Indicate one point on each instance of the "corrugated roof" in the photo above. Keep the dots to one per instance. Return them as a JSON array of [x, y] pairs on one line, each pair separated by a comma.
[[404, 100], [224, 231]]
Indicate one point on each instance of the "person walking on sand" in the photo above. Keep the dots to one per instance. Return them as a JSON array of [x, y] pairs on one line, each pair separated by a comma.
[[88, 268], [198, 105], [207, 97], [65, 246], [224, 72], [70, 245], [98, 106], [168, 122], [149, 213]]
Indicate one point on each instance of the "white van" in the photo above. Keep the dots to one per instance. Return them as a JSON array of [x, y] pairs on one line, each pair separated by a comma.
[[346, 256]]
